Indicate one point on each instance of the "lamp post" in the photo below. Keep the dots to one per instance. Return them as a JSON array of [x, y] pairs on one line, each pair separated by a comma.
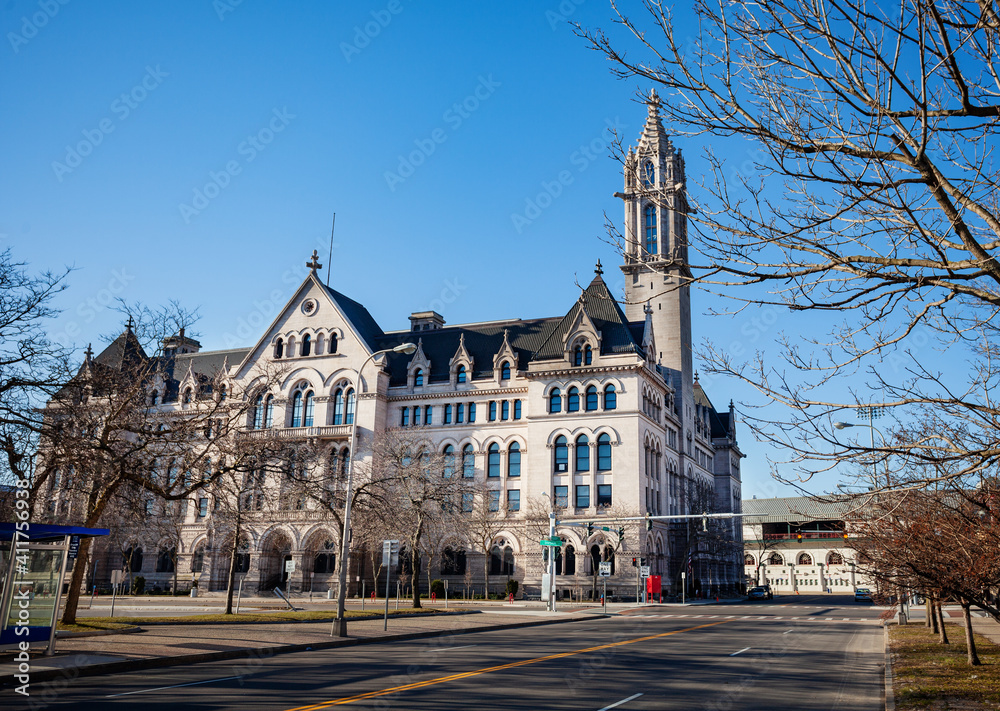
[[550, 602], [340, 624], [872, 413]]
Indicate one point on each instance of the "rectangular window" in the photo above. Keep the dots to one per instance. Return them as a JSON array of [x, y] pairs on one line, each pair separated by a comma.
[[514, 500], [202, 507], [603, 495], [429, 415], [561, 497], [416, 416], [467, 500], [583, 496], [517, 409], [505, 410], [404, 418], [472, 412], [447, 414], [493, 411], [494, 500], [459, 413]]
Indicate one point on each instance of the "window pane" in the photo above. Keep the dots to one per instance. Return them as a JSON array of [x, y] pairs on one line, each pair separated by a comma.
[[493, 410], [460, 413], [505, 410], [404, 416], [493, 460], [297, 410], [494, 501], [416, 415], [555, 400], [418, 378], [561, 496], [517, 409], [603, 453], [307, 420], [429, 415], [591, 398], [514, 460], [573, 400], [582, 496], [472, 412], [610, 398], [468, 462], [604, 494], [505, 371], [513, 500], [561, 454], [582, 454]]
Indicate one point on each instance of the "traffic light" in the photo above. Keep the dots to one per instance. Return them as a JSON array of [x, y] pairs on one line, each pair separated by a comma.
[[621, 533], [634, 562], [845, 535], [590, 529], [799, 536], [649, 524]]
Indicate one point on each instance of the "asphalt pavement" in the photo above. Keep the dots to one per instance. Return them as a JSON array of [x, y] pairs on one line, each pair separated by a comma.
[[789, 653]]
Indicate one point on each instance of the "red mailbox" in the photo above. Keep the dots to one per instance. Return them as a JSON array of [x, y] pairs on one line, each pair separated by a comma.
[[654, 584]]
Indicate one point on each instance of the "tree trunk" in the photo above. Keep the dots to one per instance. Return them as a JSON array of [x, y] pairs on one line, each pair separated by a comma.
[[940, 614], [415, 576], [970, 640], [231, 578], [76, 582], [932, 620]]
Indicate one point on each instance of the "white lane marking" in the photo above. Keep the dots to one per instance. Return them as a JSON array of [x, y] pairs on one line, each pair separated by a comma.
[[786, 631], [739, 652], [623, 701], [729, 617], [452, 649], [175, 686]]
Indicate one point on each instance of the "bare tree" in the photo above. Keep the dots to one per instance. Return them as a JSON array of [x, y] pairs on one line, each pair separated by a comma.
[[871, 193], [487, 520]]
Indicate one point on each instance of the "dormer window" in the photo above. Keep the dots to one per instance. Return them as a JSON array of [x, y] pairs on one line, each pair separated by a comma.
[[279, 348], [588, 355], [505, 371], [578, 356], [462, 374], [154, 397], [418, 378], [222, 393], [188, 393]]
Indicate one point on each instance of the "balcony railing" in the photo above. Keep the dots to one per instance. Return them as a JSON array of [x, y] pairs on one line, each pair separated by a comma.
[[804, 534], [292, 433]]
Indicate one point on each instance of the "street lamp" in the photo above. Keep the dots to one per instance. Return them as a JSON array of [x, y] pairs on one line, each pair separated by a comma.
[[872, 414], [340, 624], [550, 603]]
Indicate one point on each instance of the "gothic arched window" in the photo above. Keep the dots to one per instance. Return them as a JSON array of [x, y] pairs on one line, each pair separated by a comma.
[[588, 355], [449, 461], [649, 215], [514, 459], [307, 415], [258, 412], [269, 412], [582, 445], [306, 344], [604, 453], [154, 398], [578, 356], [279, 348], [462, 375], [468, 462], [573, 400], [338, 406], [561, 454], [297, 409], [555, 400], [418, 378], [493, 460], [505, 371], [333, 343], [648, 175], [591, 400], [610, 398], [349, 407]]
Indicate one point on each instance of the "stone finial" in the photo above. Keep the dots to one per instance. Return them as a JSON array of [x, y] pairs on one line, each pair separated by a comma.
[[313, 263], [598, 270]]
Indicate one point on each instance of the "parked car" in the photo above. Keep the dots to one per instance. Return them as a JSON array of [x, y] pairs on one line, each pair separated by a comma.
[[862, 595], [760, 592]]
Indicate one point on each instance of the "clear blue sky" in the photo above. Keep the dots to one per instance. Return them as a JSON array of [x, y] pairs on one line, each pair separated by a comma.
[[116, 116]]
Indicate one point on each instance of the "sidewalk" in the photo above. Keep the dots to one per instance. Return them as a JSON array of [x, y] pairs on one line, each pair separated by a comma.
[[170, 645]]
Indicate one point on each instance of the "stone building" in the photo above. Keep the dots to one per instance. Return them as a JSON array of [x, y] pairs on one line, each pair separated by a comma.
[[597, 408]]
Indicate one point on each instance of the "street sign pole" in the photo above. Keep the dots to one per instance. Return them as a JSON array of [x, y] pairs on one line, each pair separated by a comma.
[[604, 595], [683, 587], [390, 558], [552, 563]]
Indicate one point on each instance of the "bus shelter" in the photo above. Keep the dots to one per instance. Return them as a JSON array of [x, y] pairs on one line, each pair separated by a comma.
[[33, 565]]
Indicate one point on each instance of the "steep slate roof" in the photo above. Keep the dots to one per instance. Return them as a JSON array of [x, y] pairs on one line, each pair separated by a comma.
[[124, 351], [717, 421], [617, 334], [358, 315], [796, 508]]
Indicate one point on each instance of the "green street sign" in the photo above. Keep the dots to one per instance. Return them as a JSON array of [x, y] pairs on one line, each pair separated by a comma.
[[550, 542]]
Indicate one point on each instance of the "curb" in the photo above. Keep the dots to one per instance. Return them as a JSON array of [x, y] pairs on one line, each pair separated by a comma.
[[72, 673], [60, 634], [890, 694], [379, 616]]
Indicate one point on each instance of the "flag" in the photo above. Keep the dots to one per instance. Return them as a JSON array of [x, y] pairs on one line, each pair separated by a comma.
[[690, 564]]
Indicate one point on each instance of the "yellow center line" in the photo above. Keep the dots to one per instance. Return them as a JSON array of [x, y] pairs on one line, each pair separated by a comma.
[[487, 670]]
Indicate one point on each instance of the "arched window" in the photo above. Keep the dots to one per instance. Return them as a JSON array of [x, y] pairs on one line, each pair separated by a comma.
[[306, 345], [187, 396], [834, 558], [578, 356], [258, 412], [334, 463], [338, 406], [569, 561], [505, 371], [573, 400], [468, 462], [591, 400], [588, 355], [650, 223], [493, 460], [269, 412], [648, 175], [561, 454], [449, 461], [514, 459], [326, 559], [279, 348], [582, 454], [165, 560], [154, 398], [775, 559], [418, 378], [345, 462], [319, 344], [749, 560], [610, 398], [349, 407], [132, 560], [508, 561], [198, 559], [333, 343], [604, 453], [805, 559], [452, 562], [223, 393], [555, 400], [307, 416], [462, 375], [297, 409]]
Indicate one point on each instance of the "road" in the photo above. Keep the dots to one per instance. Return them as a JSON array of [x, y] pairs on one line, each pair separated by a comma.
[[801, 653]]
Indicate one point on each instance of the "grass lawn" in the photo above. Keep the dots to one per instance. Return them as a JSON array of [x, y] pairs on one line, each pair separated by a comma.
[[90, 623], [929, 675]]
